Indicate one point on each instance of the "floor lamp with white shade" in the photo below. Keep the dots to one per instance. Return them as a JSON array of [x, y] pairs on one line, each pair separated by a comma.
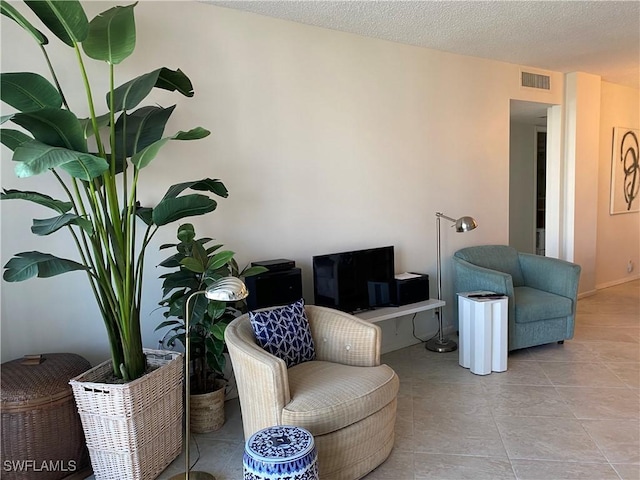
[[440, 343], [227, 289]]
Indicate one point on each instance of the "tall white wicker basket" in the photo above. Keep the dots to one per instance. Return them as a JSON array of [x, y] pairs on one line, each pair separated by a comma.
[[133, 430]]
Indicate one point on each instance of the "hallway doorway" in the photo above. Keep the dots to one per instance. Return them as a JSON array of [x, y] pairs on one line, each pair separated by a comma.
[[534, 183], [540, 188]]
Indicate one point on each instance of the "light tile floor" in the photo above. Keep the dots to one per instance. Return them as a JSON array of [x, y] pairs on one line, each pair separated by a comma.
[[567, 411]]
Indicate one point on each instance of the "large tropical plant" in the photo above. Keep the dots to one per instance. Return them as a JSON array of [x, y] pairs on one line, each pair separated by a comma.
[[97, 160], [197, 266]]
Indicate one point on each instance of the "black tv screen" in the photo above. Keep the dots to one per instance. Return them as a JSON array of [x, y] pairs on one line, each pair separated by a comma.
[[355, 280]]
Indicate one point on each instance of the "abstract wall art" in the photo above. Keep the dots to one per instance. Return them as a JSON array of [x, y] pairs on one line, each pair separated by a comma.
[[625, 171]]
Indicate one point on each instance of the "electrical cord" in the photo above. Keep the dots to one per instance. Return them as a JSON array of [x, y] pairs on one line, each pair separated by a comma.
[[413, 323], [193, 464]]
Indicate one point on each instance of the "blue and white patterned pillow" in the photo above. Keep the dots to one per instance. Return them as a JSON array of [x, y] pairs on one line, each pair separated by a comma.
[[285, 333]]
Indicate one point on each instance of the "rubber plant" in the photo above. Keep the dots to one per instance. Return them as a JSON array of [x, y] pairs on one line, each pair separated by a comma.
[[198, 266], [97, 160]]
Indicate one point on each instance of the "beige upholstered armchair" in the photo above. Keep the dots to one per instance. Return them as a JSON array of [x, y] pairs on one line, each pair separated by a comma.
[[344, 397]]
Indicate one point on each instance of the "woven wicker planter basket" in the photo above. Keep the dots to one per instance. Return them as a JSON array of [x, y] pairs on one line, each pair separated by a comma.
[[207, 411], [133, 430], [41, 431]]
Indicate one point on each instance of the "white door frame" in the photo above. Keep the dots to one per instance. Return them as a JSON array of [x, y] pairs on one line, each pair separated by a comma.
[[555, 181]]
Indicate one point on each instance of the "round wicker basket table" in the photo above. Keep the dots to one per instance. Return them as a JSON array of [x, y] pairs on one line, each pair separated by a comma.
[[280, 452], [41, 430]]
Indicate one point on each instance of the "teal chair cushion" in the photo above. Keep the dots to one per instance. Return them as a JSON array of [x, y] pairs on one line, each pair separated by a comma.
[[495, 257], [533, 305]]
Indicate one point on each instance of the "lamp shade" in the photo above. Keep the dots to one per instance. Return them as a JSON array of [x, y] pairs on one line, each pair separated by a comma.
[[227, 289], [464, 224]]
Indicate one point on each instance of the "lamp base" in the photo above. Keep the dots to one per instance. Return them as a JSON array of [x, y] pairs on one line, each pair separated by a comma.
[[193, 476], [446, 345]]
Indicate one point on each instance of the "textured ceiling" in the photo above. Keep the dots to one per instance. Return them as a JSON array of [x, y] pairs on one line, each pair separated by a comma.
[[598, 37]]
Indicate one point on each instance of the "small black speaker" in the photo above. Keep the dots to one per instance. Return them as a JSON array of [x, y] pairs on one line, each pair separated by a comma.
[[271, 289], [411, 290]]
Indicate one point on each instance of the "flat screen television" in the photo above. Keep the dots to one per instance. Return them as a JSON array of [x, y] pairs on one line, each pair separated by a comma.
[[355, 280]]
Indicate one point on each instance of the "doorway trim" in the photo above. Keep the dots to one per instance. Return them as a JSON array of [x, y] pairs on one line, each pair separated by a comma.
[[555, 180]]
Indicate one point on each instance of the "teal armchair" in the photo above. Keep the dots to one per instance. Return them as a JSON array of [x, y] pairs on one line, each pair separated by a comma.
[[542, 291]]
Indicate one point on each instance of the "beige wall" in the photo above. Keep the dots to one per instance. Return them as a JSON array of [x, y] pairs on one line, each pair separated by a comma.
[[522, 166], [581, 174], [618, 235], [327, 141]]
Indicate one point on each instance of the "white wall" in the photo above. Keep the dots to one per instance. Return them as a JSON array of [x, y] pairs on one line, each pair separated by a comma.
[[327, 141], [618, 235]]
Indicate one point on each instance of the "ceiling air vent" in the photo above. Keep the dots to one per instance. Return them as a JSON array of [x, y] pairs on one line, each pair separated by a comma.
[[535, 80]]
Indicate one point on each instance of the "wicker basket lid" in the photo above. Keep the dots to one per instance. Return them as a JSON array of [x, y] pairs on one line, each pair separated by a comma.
[[38, 383]]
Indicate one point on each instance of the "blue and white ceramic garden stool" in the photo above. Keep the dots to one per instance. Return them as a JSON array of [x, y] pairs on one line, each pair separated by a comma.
[[281, 452]]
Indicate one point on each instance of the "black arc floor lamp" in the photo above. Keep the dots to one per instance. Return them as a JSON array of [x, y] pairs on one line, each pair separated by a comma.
[[440, 343], [227, 289]]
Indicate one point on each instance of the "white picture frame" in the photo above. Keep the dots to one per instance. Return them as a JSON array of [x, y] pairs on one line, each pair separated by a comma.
[[625, 171]]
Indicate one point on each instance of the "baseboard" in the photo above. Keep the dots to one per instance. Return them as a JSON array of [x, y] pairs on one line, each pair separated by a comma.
[[590, 293], [620, 281]]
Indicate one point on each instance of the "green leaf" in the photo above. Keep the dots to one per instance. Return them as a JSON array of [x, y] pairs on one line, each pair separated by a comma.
[[186, 233], [128, 95], [87, 125], [175, 80], [50, 225], [198, 308], [205, 185], [176, 309], [175, 297], [35, 158], [213, 248], [198, 252], [192, 264], [172, 209], [55, 127], [27, 92], [193, 134], [26, 265], [216, 309], [140, 129], [219, 259], [7, 9], [169, 323], [216, 360], [146, 155], [179, 279], [251, 271], [39, 198], [173, 261], [218, 329], [112, 35], [233, 268], [171, 341], [86, 167], [144, 214], [65, 19], [12, 139]]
